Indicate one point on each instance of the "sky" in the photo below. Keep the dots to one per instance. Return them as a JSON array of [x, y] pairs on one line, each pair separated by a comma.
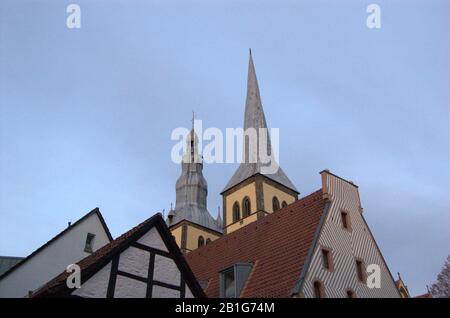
[[86, 114]]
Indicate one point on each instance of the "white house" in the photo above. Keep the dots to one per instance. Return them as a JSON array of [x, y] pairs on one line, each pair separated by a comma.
[[76, 242], [145, 262]]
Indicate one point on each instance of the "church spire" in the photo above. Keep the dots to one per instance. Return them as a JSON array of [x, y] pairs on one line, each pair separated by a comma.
[[254, 118]]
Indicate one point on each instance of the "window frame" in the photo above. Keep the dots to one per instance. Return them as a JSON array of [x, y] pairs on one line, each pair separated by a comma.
[[276, 202], [360, 270], [345, 221], [319, 290], [246, 213], [236, 209], [328, 254], [89, 243]]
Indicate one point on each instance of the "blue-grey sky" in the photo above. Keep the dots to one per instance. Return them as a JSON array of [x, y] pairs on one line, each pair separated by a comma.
[[86, 114]]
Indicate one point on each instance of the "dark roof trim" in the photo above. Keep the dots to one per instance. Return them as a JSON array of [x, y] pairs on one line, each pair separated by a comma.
[[299, 284], [94, 211], [61, 289]]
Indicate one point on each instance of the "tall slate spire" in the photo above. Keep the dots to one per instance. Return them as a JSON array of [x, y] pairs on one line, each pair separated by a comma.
[[254, 118], [192, 190]]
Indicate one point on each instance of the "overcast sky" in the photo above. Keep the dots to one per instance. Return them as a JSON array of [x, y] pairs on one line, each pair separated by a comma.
[[86, 114]]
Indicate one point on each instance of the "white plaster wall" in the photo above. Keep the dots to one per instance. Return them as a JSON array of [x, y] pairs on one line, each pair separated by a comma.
[[97, 285], [53, 260], [135, 261], [166, 271], [188, 293], [153, 239], [129, 288], [162, 292]]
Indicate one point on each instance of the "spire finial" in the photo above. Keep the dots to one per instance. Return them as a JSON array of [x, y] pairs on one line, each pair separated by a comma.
[[250, 50], [193, 119]]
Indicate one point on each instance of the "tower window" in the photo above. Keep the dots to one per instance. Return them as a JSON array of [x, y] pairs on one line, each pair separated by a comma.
[[319, 290], [246, 207], [351, 293], [89, 245], [283, 204], [201, 241], [275, 204], [236, 212], [360, 270], [345, 221], [327, 260], [208, 240]]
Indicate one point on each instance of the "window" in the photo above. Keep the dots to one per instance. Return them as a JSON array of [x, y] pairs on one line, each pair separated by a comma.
[[360, 270], [246, 209], [345, 220], [208, 240], [283, 204], [201, 241], [326, 259], [89, 245], [236, 212], [275, 204], [229, 285], [233, 279], [351, 293], [319, 290]]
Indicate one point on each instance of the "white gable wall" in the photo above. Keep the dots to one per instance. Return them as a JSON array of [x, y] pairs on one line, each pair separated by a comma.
[[345, 247], [53, 259]]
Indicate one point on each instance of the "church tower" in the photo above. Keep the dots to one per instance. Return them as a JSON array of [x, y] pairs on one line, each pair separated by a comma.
[[251, 193], [190, 222]]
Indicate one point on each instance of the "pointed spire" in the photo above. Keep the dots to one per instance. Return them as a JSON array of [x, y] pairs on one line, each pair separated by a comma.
[[254, 113], [254, 118]]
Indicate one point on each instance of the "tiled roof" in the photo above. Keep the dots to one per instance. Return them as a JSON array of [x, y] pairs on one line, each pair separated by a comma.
[[91, 264], [277, 246]]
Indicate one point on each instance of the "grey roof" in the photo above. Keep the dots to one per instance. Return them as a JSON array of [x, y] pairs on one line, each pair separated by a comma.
[[254, 118], [6, 262]]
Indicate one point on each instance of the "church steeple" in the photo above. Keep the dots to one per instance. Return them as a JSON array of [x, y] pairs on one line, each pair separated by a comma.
[[252, 192], [254, 118], [191, 201]]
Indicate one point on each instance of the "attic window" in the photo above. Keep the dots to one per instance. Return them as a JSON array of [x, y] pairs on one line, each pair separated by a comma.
[[319, 290], [345, 220], [89, 245], [360, 270], [327, 259], [232, 280]]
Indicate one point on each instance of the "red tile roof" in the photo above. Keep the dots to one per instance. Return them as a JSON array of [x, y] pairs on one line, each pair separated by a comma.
[[277, 245]]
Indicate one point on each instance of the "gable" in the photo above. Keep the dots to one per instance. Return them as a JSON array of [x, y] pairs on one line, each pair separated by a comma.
[[346, 246], [53, 257], [144, 262]]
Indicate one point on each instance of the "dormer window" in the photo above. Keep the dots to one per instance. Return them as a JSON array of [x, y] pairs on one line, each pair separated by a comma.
[[232, 280], [89, 244]]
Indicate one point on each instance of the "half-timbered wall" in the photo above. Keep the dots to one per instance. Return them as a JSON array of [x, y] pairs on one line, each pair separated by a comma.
[[145, 269]]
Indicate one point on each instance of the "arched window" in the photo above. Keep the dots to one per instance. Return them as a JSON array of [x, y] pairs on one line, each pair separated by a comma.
[[319, 290], [208, 240], [275, 204], [283, 204], [246, 208], [201, 241], [236, 212]]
